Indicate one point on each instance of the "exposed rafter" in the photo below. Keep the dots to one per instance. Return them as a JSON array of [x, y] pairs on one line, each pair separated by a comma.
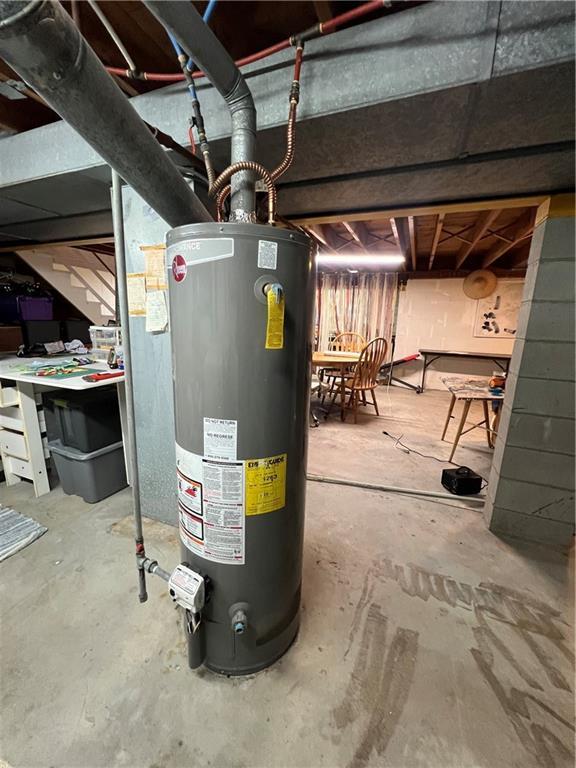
[[330, 237], [412, 235], [522, 229], [437, 233], [323, 10], [520, 259], [400, 232], [485, 220], [359, 233]]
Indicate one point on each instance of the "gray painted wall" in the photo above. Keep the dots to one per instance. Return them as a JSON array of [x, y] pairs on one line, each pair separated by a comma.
[[531, 489], [152, 375]]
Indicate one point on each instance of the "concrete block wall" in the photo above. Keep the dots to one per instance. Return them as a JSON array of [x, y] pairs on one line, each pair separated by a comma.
[[437, 314], [531, 488]]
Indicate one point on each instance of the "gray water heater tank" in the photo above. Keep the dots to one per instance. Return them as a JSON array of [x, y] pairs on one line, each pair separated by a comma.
[[241, 302]]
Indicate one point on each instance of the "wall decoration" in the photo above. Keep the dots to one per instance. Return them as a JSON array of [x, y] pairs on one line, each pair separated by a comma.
[[497, 315]]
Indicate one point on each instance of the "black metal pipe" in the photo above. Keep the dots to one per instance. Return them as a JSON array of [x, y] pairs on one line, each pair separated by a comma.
[[198, 40], [40, 41]]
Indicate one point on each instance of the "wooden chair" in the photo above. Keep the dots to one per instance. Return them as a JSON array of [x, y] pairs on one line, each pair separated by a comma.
[[349, 341], [365, 376]]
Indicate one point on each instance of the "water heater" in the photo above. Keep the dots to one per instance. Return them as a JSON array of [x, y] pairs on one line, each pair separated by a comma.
[[241, 298]]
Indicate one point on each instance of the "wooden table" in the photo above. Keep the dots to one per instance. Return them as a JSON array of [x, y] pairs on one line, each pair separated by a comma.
[[431, 355], [18, 413], [342, 361], [468, 390]]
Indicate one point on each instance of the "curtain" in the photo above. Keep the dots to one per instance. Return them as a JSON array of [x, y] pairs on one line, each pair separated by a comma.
[[363, 303]]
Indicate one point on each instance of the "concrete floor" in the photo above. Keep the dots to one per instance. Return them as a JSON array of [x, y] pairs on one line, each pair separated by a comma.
[[426, 641]]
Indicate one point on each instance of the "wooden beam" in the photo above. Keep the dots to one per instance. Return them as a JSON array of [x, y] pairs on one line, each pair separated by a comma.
[[521, 259], [427, 210], [524, 227], [485, 220], [323, 10], [318, 234], [359, 232], [311, 233], [20, 115], [398, 235], [435, 241], [57, 244], [23, 88], [125, 86], [412, 235], [401, 234], [330, 237]]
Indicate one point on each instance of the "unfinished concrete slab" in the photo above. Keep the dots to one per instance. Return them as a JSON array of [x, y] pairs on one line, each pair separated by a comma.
[[425, 640]]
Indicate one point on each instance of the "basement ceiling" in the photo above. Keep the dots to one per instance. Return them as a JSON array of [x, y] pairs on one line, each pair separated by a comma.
[[444, 242], [147, 43]]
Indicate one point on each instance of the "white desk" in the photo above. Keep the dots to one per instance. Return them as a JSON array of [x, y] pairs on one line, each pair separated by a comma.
[[23, 397]]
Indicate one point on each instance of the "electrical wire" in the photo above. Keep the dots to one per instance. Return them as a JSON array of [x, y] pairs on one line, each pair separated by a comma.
[[407, 449]]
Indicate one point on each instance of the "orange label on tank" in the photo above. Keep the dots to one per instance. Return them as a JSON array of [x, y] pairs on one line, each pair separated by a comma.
[[265, 483]]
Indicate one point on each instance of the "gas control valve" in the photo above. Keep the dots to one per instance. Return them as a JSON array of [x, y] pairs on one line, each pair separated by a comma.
[[187, 589]]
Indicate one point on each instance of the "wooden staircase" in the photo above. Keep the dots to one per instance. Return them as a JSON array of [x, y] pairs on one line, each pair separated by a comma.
[[86, 280]]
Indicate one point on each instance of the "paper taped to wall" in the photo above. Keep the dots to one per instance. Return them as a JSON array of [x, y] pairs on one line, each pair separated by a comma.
[[156, 311], [156, 278], [136, 290]]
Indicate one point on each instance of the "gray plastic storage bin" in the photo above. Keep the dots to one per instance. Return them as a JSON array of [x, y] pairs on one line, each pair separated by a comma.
[[95, 475], [86, 420]]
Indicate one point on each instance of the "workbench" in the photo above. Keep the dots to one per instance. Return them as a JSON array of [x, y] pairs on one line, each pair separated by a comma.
[[470, 390], [431, 355], [23, 450]]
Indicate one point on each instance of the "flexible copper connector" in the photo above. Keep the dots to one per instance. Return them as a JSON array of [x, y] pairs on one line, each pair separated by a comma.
[[279, 170], [290, 134], [291, 127], [220, 202], [248, 165], [289, 156]]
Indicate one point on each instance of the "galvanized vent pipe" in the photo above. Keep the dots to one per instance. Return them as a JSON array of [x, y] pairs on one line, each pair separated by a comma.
[[195, 36], [40, 41]]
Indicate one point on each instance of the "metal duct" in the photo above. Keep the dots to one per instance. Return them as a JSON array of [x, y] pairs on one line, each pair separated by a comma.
[[40, 41], [198, 40]]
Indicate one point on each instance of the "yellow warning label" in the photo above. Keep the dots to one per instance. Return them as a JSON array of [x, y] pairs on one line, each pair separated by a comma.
[[275, 325], [265, 484]]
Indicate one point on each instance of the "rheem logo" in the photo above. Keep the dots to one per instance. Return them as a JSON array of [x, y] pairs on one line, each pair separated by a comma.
[[179, 268]]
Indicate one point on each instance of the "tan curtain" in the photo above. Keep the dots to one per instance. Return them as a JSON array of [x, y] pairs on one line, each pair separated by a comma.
[[363, 303]]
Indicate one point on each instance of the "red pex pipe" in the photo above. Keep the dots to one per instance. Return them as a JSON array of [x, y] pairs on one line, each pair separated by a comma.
[[325, 28], [329, 26]]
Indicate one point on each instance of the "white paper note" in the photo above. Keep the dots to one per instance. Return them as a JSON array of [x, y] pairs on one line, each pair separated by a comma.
[[136, 288], [156, 311]]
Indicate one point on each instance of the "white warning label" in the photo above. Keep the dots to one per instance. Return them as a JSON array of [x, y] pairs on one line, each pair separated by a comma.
[[211, 506], [220, 439], [267, 254]]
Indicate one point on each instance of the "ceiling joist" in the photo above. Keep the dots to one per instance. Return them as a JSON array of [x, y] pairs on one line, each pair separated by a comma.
[[437, 233], [523, 229], [400, 231], [412, 235], [359, 232], [485, 220]]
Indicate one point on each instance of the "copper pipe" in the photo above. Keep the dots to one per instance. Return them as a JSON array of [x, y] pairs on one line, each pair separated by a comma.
[[289, 156], [291, 127], [290, 133], [249, 165], [278, 171], [220, 202]]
